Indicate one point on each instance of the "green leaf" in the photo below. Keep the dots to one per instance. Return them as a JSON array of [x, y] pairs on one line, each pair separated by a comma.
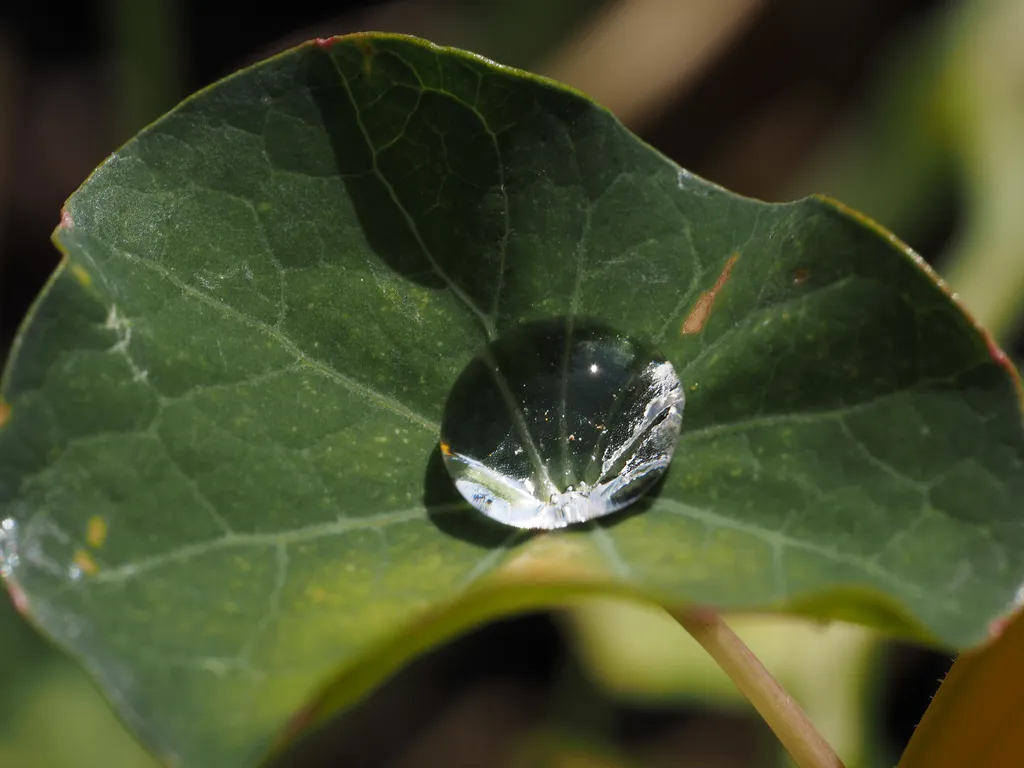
[[220, 482]]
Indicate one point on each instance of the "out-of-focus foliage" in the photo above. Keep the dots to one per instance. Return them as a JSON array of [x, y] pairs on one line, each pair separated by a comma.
[[945, 120], [641, 654], [986, 80], [51, 715]]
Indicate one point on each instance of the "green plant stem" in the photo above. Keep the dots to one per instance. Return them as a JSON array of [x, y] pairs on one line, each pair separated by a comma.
[[147, 47], [783, 715]]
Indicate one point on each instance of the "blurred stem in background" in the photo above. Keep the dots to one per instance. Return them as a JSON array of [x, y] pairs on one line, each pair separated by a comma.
[[637, 55], [8, 118], [773, 703], [147, 45], [639, 654]]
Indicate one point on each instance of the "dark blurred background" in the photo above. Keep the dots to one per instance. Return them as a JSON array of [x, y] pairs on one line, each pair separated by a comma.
[[909, 110]]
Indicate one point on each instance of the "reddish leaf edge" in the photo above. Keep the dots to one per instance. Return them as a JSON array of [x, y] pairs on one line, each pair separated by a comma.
[[998, 355]]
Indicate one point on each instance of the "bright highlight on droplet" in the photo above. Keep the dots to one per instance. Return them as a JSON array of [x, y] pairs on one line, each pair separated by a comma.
[[8, 546], [558, 424]]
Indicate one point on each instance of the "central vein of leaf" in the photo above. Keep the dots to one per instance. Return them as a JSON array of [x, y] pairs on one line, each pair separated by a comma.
[[540, 470]]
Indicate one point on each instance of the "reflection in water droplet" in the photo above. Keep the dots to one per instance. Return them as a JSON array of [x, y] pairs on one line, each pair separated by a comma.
[[557, 424]]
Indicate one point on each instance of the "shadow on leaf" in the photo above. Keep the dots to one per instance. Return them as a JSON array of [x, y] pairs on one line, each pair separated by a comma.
[[451, 514], [639, 507], [434, 217]]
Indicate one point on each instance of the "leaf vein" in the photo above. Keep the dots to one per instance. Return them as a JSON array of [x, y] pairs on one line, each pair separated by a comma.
[[485, 321], [313, 532], [384, 401], [776, 539]]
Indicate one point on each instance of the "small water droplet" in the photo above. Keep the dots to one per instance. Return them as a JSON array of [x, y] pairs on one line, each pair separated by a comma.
[[557, 424], [9, 559]]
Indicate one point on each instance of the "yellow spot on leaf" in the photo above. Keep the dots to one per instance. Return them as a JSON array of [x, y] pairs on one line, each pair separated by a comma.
[[553, 558], [81, 275], [445, 448], [5, 412], [96, 532], [694, 322], [85, 563], [367, 51]]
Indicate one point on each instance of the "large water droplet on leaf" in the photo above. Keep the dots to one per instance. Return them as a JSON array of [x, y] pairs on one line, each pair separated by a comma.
[[559, 423]]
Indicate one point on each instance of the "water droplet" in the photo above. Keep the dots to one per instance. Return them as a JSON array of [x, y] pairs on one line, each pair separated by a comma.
[[557, 424]]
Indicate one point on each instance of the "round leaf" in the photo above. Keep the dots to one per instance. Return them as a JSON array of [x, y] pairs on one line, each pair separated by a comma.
[[220, 482]]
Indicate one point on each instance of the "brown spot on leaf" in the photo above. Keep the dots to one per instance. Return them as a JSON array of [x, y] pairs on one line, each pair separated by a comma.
[[801, 276], [5, 412], [699, 314], [701, 311]]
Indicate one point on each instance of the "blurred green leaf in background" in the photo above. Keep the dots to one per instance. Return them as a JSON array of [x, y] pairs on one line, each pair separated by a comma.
[[51, 714]]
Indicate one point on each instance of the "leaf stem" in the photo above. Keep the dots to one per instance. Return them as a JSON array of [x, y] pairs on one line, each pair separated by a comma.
[[783, 715]]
